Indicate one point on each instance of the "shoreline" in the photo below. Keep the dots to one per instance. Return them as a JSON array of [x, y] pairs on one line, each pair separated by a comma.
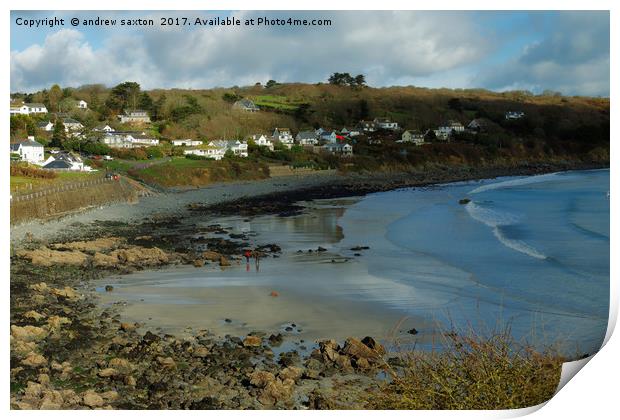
[[275, 195]]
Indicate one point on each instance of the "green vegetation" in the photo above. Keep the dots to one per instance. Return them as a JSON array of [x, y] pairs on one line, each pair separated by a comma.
[[471, 373]]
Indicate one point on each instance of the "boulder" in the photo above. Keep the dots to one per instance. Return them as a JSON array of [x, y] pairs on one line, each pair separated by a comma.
[[108, 372], [34, 315], [34, 360], [103, 260], [97, 245], [355, 348], [198, 263], [252, 341], [121, 365], [291, 372], [28, 333], [141, 256], [67, 293], [211, 255], [260, 378], [464, 201], [224, 261], [167, 362], [92, 399], [46, 257]]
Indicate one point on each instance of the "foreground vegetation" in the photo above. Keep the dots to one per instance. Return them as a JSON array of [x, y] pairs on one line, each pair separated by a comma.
[[471, 372]]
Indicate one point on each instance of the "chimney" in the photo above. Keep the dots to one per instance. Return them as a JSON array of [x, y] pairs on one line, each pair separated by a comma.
[[31, 138]]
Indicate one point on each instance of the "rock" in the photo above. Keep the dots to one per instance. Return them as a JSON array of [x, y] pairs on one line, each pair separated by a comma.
[[109, 288], [252, 341], [49, 405], [211, 255], [43, 378], [355, 348], [45, 257], [260, 378], [92, 399], [108, 372], [201, 352], [33, 390], [34, 360], [328, 349], [371, 343], [103, 260], [28, 333], [413, 331], [274, 294], [109, 395], [275, 340], [55, 322], [34, 315], [130, 381], [359, 248], [67, 293], [141, 256], [101, 244], [343, 362], [228, 320], [224, 262], [121, 365], [291, 372], [321, 249], [126, 326], [464, 201], [362, 364], [276, 391], [167, 362], [40, 287], [198, 263]]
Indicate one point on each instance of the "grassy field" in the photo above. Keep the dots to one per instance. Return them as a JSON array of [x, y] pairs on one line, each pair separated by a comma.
[[180, 172], [277, 102], [23, 183]]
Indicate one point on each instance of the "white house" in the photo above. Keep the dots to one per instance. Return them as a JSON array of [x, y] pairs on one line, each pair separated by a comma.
[[28, 108], [385, 124], [135, 116], [128, 139], [211, 152], [82, 104], [71, 124], [329, 136], [65, 161], [262, 140], [143, 139], [186, 142], [284, 136], [307, 138], [239, 148], [103, 128], [342, 149], [450, 127], [29, 150], [45, 126], [412, 136], [350, 133], [367, 126]]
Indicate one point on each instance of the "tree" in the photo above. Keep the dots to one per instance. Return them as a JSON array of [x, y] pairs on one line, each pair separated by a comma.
[[124, 95], [55, 95], [157, 112], [59, 136], [231, 97], [270, 84], [360, 80], [363, 109], [145, 102]]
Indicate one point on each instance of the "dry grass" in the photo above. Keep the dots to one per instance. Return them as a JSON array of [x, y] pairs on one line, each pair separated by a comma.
[[470, 372]]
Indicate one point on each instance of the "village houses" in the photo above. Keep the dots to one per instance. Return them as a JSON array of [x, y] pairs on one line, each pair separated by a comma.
[[45, 126], [329, 136], [412, 136], [72, 124], [29, 150], [307, 138], [262, 141], [66, 161], [135, 116], [82, 104], [128, 139], [514, 115], [385, 124], [448, 128], [367, 126], [238, 148], [103, 128], [211, 152], [284, 136], [186, 142], [341, 149], [28, 108]]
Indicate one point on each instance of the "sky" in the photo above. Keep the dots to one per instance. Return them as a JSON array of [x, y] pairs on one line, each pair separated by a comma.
[[562, 51]]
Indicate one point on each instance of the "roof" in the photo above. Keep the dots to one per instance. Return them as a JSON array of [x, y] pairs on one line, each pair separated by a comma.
[[246, 103], [67, 157], [283, 129], [44, 124], [70, 121], [31, 143], [142, 136], [34, 105], [306, 135], [58, 164]]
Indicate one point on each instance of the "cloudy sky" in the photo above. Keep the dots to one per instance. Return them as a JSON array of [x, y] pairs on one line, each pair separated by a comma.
[[561, 51]]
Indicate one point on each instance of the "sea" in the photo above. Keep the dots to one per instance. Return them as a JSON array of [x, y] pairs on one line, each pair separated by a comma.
[[527, 256]]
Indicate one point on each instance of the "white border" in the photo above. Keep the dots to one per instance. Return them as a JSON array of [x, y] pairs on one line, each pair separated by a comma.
[[592, 394]]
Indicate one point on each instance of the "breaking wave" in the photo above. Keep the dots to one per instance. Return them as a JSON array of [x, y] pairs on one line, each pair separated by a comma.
[[495, 220], [515, 182]]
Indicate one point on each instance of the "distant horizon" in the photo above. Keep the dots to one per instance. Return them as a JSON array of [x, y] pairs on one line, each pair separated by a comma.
[[498, 51]]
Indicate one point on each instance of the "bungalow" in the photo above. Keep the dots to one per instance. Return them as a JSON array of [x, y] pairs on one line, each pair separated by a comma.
[[71, 124], [329, 136], [514, 115], [238, 148], [143, 139], [45, 126], [412, 136], [367, 126], [186, 142], [66, 161], [29, 150], [262, 141], [82, 104], [342, 149], [211, 152], [128, 139], [306, 138], [135, 116], [385, 124], [284, 136], [245, 105], [28, 108]]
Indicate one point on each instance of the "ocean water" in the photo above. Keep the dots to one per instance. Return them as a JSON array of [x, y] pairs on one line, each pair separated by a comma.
[[526, 253], [530, 254]]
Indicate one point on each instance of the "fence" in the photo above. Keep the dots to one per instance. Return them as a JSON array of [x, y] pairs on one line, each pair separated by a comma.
[[16, 197]]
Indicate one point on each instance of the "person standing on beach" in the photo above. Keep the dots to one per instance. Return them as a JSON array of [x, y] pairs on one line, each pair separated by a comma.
[[247, 255]]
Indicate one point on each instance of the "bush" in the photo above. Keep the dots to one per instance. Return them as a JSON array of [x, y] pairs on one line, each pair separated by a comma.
[[32, 172], [129, 154]]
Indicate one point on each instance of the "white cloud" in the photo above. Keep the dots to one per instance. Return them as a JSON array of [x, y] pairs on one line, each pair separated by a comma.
[[386, 46]]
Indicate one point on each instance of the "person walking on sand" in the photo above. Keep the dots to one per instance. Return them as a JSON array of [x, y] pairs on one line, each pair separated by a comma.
[[247, 254], [256, 255]]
